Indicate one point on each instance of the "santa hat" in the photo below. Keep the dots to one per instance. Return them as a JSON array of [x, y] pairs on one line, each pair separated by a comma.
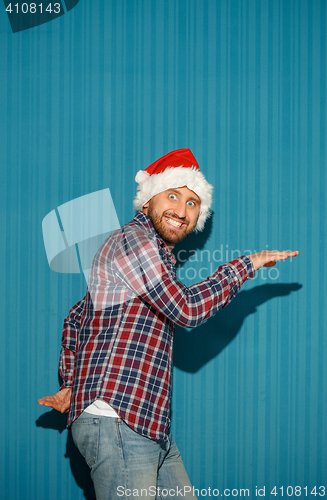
[[176, 169]]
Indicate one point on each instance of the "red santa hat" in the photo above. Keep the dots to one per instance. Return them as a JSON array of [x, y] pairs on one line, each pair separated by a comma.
[[176, 169]]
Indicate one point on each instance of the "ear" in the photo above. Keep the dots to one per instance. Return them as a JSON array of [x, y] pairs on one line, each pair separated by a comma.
[[145, 208]]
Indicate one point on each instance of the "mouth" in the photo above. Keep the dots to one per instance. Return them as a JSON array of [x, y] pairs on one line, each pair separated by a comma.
[[174, 223]]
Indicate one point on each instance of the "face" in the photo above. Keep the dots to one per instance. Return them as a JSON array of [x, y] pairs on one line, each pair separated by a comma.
[[173, 213]]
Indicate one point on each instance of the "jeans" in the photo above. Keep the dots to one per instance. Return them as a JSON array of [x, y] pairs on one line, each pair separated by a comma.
[[126, 465]]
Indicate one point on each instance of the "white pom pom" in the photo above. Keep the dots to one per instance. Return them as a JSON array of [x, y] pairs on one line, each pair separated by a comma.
[[141, 176]]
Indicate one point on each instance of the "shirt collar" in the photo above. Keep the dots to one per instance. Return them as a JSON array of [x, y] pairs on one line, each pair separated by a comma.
[[143, 219]]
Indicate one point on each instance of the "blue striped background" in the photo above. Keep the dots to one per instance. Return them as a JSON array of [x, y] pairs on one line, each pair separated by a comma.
[[101, 92]]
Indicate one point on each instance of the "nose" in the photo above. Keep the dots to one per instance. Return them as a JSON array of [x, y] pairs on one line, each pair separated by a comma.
[[180, 210]]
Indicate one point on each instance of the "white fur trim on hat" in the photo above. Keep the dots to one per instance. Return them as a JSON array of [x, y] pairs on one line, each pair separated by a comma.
[[175, 177]]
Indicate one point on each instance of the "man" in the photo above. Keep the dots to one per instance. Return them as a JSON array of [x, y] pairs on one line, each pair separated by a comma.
[[116, 358]]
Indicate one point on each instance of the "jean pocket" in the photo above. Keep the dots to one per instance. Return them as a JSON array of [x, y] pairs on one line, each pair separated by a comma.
[[85, 432]]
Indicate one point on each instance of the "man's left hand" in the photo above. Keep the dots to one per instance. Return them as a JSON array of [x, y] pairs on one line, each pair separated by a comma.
[[268, 258]]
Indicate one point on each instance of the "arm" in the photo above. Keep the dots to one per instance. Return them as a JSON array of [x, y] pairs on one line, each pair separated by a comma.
[[72, 325], [61, 400], [154, 280], [149, 275]]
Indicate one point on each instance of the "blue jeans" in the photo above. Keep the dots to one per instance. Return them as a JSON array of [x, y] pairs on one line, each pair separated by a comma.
[[126, 465]]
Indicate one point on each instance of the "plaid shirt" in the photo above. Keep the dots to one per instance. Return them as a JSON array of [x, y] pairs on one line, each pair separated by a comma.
[[117, 341]]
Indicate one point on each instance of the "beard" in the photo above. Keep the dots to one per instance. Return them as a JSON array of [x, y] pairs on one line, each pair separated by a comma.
[[169, 235]]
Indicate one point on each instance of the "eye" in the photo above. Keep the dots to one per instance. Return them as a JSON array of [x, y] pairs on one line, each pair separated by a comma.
[[173, 196], [191, 203]]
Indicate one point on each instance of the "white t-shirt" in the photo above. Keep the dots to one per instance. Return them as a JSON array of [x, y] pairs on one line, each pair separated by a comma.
[[101, 408]]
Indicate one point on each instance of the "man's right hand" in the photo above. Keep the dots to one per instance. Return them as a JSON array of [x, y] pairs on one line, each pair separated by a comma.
[[59, 401]]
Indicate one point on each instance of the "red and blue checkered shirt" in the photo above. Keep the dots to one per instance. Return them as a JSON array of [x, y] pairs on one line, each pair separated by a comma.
[[118, 341]]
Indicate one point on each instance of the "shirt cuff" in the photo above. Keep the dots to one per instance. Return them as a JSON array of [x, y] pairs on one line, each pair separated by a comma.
[[66, 385], [242, 267], [249, 266]]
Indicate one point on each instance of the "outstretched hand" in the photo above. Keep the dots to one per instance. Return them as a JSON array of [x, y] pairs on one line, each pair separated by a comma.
[[59, 401], [268, 258]]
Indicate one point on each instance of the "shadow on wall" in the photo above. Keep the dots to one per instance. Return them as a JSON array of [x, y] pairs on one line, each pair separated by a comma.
[[81, 472], [194, 348]]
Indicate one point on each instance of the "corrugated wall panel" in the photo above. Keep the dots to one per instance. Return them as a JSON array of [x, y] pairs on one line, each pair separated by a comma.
[[86, 101]]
